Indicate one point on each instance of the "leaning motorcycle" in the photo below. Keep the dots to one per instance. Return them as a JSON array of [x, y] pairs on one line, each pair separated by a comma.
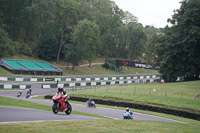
[[128, 115], [91, 104], [60, 103], [19, 94]]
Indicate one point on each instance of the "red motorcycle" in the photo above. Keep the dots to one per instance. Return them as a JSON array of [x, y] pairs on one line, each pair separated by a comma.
[[60, 103]]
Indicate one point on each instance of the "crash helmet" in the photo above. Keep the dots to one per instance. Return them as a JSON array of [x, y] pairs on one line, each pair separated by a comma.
[[90, 99], [127, 109], [60, 90]]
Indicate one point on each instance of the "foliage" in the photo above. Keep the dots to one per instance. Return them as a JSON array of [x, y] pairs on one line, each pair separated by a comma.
[[179, 50], [85, 42], [48, 45], [106, 65], [4, 43], [152, 40], [47, 26], [135, 40]]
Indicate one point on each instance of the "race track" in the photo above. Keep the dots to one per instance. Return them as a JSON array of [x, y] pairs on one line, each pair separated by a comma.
[[12, 114], [112, 113]]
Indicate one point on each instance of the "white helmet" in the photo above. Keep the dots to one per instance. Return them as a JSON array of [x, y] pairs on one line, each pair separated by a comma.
[[127, 109]]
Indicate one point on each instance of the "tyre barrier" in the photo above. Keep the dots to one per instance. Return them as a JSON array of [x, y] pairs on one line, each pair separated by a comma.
[[139, 106]]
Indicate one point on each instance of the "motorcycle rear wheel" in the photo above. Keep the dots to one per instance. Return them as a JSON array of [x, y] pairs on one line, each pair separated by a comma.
[[55, 109], [69, 109]]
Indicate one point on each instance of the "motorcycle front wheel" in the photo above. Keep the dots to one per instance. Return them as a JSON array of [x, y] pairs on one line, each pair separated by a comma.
[[69, 109], [54, 108]]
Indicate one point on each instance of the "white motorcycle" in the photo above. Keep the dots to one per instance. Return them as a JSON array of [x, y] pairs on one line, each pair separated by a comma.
[[91, 104]]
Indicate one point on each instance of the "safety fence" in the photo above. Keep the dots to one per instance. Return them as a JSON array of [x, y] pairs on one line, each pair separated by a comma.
[[74, 84], [73, 78], [10, 86], [140, 107]]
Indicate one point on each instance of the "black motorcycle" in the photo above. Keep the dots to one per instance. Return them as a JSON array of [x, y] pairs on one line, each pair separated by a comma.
[[19, 94]]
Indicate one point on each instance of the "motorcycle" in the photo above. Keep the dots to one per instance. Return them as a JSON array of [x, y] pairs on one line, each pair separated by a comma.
[[128, 115], [91, 104], [60, 103], [28, 93], [27, 96], [19, 94]]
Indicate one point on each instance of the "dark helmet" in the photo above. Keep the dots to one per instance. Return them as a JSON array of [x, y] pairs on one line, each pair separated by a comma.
[[60, 89], [127, 109]]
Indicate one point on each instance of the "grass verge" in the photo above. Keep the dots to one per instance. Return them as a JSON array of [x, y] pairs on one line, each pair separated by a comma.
[[99, 126], [178, 96]]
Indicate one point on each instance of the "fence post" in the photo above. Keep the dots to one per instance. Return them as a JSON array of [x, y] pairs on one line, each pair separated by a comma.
[[134, 90], [166, 92], [182, 94], [197, 96], [150, 91]]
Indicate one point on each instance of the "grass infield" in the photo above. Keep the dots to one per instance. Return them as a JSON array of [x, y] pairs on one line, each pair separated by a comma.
[[179, 95]]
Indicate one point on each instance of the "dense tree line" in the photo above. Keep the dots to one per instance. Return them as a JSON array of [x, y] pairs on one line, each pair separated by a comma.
[[47, 29], [178, 50], [79, 30]]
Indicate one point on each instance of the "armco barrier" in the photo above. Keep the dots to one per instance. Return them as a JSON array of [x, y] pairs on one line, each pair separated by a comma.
[[139, 106], [10, 86], [93, 83], [84, 78]]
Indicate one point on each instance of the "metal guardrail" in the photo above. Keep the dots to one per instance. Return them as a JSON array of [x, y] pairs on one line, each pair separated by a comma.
[[10, 86], [81, 78]]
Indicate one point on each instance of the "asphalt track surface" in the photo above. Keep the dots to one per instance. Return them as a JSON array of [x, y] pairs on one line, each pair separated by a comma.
[[17, 114], [12, 114]]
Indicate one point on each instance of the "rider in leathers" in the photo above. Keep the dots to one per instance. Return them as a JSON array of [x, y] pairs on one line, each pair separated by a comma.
[[64, 93]]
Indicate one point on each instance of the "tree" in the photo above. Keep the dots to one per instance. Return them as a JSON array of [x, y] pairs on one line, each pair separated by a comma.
[[14, 16], [129, 18], [66, 17], [136, 40], [48, 44], [178, 54], [107, 15], [86, 40], [4, 43], [152, 40]]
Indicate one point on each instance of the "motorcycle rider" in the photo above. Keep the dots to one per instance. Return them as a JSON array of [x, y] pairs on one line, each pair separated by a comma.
[[19, 93], [90, 101], [28, 93], [129, 112], [63, 93]]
